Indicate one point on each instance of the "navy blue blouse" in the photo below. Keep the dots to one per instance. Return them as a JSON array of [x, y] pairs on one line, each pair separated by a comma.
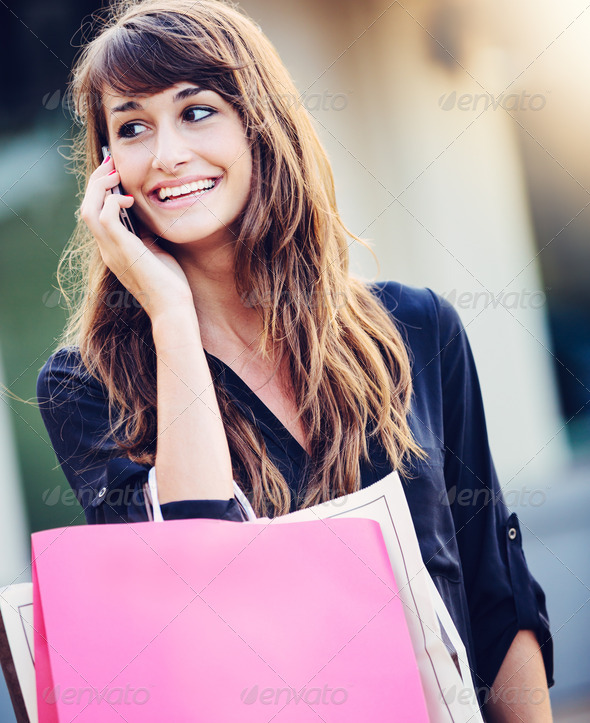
[[469, 541]]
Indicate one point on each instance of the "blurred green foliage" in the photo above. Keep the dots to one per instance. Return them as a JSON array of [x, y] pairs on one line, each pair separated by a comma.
[[31, 318]]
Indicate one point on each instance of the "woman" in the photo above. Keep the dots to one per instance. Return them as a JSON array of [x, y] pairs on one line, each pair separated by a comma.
[[276, 371]]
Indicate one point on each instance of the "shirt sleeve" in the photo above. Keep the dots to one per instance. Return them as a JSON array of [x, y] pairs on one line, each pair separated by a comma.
[[109, 486], [503, 597]]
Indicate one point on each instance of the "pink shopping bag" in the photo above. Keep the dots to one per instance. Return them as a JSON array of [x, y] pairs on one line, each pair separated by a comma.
[[215, 621]]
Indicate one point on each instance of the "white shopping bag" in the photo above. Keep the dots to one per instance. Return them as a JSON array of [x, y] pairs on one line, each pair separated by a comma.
[[446, 677]]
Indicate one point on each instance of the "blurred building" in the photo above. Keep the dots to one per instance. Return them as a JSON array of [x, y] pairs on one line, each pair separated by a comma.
[[457, 133]]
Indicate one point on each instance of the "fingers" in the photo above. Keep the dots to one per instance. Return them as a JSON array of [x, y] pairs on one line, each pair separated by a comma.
[[102, 178], [109, 215], [100, 183]]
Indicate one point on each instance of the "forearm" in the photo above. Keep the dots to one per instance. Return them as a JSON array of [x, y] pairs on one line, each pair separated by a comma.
[[192, 459], [519, 693]]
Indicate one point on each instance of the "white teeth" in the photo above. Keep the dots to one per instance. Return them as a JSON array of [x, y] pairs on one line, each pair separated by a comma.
[[174, 191]]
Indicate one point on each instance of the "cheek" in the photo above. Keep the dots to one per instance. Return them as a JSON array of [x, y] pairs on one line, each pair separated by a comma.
[[245, 162], [130, 178], [241, 161], [236, 148], [133, 165]]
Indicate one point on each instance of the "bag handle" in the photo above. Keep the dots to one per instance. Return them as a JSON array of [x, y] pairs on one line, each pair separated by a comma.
[[151, 493]]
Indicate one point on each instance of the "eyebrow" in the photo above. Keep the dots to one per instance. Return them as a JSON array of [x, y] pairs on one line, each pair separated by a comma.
[[181, 95]]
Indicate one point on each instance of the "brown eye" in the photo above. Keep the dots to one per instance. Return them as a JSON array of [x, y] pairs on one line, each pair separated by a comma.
[[199, 113], [127, 130]]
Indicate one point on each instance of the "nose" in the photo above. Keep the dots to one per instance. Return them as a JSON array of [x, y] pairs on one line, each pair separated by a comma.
[[170, 150]]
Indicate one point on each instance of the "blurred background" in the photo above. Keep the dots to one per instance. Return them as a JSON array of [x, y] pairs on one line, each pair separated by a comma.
[[458, 134]]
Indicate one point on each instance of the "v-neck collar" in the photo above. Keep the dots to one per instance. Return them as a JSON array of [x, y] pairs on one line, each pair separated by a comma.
[[294, 460], [260, 414]]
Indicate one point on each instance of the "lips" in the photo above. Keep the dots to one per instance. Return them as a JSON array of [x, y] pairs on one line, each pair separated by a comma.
[[187, 192]]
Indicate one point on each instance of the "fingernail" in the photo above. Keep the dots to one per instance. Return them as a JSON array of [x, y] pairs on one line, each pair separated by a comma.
[[127, 195], [107, 159], [111, 173]]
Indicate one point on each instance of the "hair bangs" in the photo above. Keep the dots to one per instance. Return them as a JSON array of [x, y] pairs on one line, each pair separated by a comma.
[[147, 55]]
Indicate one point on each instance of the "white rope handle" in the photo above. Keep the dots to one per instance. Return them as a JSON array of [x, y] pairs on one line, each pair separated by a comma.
[[244, 502], [153, 485], [154, 495]]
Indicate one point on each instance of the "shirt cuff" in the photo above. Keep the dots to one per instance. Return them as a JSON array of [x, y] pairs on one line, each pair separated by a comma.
[[210, 509], [233, 509], [529, 598]]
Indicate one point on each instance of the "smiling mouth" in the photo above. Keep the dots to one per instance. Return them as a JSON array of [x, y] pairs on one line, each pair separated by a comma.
[[189, 190]]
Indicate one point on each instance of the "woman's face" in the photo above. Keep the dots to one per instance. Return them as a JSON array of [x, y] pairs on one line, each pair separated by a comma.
[[181, 135]]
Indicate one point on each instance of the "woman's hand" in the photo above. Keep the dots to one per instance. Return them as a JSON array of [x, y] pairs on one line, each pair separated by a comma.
[[150, 274]]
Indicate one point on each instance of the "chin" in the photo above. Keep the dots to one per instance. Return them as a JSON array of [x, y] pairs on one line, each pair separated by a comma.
[[196, 237]]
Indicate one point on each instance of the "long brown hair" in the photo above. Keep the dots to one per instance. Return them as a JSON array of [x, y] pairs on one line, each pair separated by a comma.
[[349, 367]]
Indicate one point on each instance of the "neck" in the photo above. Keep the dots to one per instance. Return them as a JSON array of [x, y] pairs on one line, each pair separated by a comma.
[[226, 322]]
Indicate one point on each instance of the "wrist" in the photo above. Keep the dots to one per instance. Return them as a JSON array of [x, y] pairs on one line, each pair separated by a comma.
[[176, 327]]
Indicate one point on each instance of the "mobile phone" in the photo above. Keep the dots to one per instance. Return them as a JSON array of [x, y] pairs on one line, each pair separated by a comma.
[[124, 214]]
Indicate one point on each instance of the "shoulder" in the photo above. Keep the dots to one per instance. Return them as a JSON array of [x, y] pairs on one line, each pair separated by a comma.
[[425, 315], [64, 376]]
